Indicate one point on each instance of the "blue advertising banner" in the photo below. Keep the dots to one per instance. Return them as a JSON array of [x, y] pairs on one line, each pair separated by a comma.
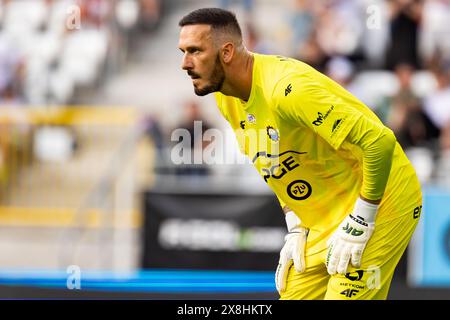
[[429, 252]]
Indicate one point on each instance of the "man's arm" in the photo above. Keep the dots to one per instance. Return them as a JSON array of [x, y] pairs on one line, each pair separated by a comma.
[[349, 240], [377, 144], [337, 120], [286, 209]]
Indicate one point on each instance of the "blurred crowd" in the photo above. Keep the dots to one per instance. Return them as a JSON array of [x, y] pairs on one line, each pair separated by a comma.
[[394, 55], [51, 48], [58, 52]]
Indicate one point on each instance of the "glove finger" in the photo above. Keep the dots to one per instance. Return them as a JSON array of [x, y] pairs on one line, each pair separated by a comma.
[[331, 240], [344, 259], [299, 254], [330, 245], [282, 262], [333, 256], [281, 275], [357, 254]]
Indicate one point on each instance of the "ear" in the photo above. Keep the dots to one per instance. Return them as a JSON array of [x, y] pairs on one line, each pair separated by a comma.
[[227, 52]]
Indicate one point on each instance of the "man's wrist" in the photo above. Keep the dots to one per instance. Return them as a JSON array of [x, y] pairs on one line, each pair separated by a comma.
[[286, 209], [365, 211], [292, 221], [370, 201]]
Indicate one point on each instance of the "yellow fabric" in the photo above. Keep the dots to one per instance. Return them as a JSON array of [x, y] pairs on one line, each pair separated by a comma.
[[369, 282], [306, 136], [377, 144]]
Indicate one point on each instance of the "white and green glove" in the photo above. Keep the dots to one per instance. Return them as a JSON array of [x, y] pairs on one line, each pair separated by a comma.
[[348, 242], [293, 250]]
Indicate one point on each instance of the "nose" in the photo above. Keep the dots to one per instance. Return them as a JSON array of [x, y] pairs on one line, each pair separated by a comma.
[[186, 64]]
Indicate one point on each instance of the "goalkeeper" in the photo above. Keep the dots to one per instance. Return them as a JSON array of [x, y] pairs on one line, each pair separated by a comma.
[[350, 196]]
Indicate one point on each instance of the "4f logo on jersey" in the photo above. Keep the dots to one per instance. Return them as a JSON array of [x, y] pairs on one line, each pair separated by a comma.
[[349, 292], [321, 117], [288, 90], [242, 124], [272, 133]]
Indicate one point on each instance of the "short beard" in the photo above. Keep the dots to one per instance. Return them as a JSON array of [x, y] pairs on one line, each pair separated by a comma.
[[216, 82]]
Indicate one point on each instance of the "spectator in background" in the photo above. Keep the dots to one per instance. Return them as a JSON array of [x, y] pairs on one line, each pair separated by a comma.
[[435, 31], [444, 141], [247, 4], [11, 71], [312, 54], [340, 70], [95, 13], [150, 14], [404, 23], [153, 130], [443, 164], [407, 119], [10, 97], [253, 41], [301, 23], [327, 29], [340, 28], [192, 122], [437, 105], [153, 133]]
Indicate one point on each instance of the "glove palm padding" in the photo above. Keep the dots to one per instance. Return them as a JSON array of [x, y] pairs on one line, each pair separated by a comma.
[[293, 252], [347, 244]]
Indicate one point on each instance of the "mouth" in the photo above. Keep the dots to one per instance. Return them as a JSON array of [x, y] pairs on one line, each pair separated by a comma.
[[193, 76]]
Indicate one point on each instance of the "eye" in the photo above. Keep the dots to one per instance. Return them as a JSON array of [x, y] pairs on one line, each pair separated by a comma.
[[193, 50]]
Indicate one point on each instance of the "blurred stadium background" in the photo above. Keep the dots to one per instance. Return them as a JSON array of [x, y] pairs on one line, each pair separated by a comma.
[[91, 205]]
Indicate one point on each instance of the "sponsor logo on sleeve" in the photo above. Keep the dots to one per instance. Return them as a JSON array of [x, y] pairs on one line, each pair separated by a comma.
[[322, 117], [337, 125]]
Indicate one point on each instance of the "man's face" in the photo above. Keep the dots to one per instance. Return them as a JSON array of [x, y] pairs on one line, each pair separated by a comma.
[[201, 58]]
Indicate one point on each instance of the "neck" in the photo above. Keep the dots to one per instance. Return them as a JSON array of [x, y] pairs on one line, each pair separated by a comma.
[[238, 79]]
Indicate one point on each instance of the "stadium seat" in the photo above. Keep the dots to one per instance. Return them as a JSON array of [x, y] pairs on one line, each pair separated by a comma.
[[127, 13], [25, 14], [424, 83], [83, 55], [61, 87]]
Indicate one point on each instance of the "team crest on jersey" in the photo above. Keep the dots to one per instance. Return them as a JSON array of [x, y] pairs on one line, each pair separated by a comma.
[[273, 133], [251, 118]]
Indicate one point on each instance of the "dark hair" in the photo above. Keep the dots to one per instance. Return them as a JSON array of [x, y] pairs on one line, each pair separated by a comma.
[[215, 17]]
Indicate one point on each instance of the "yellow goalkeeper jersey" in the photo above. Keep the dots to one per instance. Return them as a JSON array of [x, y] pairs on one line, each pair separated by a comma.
[[294, 128]]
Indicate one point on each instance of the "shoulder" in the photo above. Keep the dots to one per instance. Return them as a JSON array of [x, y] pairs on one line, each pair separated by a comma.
[[222, 104]]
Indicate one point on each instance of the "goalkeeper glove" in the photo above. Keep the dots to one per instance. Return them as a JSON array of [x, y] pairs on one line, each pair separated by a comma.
[[293, 250], [348, 242]]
